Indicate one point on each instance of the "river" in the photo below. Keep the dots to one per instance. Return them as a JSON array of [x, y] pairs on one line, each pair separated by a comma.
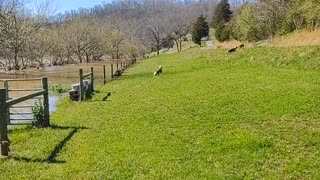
[[64, 75]]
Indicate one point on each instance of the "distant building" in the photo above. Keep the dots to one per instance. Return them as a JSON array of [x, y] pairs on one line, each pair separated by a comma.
[[205, 38]]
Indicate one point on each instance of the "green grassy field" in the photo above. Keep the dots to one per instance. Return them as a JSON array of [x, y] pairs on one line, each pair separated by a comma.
[[210, 115]]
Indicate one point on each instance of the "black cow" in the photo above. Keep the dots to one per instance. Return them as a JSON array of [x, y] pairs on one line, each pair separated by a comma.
[[232, 49]]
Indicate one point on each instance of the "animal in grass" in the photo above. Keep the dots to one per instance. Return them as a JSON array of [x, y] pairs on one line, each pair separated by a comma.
[[241, 46], [158, 72], [232, 49], [118, 73]]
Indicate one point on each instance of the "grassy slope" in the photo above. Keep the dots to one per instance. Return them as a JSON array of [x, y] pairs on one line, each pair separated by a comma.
[[298, 38], [294, 39], [253, 114]]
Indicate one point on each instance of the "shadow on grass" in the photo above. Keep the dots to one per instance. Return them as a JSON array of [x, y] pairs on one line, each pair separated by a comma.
[[29, 160], [126, 76], [52, 158], [89, 95], [107, 96], [104, 99]]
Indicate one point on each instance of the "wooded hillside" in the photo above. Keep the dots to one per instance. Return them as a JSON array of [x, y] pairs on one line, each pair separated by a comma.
[[133, 28]]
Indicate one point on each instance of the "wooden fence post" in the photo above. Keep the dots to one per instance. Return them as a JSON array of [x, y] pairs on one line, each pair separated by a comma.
[[46, 102], [4, 140], [104, 74], [92, 80], [117, 64], [81, 84], [6, 87], [121, 65], [111, 71]]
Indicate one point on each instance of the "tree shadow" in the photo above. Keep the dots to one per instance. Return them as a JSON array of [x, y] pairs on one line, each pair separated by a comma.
[[29, 160], [89, 95], [52, 158]]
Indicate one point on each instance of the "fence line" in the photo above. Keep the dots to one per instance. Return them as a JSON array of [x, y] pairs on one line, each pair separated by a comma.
[[79, 90], [124, 64], [6, 103], [84, 87]]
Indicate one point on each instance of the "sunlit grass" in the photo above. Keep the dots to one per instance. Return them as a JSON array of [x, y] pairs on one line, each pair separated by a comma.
[[210, 115]]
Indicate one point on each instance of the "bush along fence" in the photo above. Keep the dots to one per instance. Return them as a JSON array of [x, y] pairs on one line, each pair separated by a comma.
[[85, 88], [124, 64], [8, 106]]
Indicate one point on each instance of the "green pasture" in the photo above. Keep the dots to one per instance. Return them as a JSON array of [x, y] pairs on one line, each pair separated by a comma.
[[251, 114]]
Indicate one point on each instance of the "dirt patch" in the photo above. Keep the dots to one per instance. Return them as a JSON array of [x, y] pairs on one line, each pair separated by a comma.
[[227, 44], [299, 38]]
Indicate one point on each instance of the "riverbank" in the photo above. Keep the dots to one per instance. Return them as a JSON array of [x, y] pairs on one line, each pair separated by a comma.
[[250, 114], [65, 75]]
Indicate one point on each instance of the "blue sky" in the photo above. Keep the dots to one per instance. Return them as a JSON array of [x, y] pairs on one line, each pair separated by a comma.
[[64, 5]]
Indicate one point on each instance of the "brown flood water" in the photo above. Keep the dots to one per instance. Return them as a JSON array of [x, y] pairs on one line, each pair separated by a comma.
[[65, 75]]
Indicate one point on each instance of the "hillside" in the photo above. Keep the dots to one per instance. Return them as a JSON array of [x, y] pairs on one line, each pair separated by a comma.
[[253, 114], [297, 38]]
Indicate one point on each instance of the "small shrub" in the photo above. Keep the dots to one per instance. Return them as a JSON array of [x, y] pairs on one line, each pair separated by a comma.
[[38, 115], [58, 89]]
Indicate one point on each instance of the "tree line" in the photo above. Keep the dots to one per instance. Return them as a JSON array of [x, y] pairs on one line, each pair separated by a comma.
[[133, 28], [262, 19], [121, 29]]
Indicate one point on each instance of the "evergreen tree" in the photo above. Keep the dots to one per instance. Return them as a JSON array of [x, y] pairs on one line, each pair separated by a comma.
[[222, 32], [222, 13], [200, 30]]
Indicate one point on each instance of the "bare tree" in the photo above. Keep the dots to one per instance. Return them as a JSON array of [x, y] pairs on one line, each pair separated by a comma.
[[156, 36], [123, 28], [17, 28], [118, 25], [180, 25]]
